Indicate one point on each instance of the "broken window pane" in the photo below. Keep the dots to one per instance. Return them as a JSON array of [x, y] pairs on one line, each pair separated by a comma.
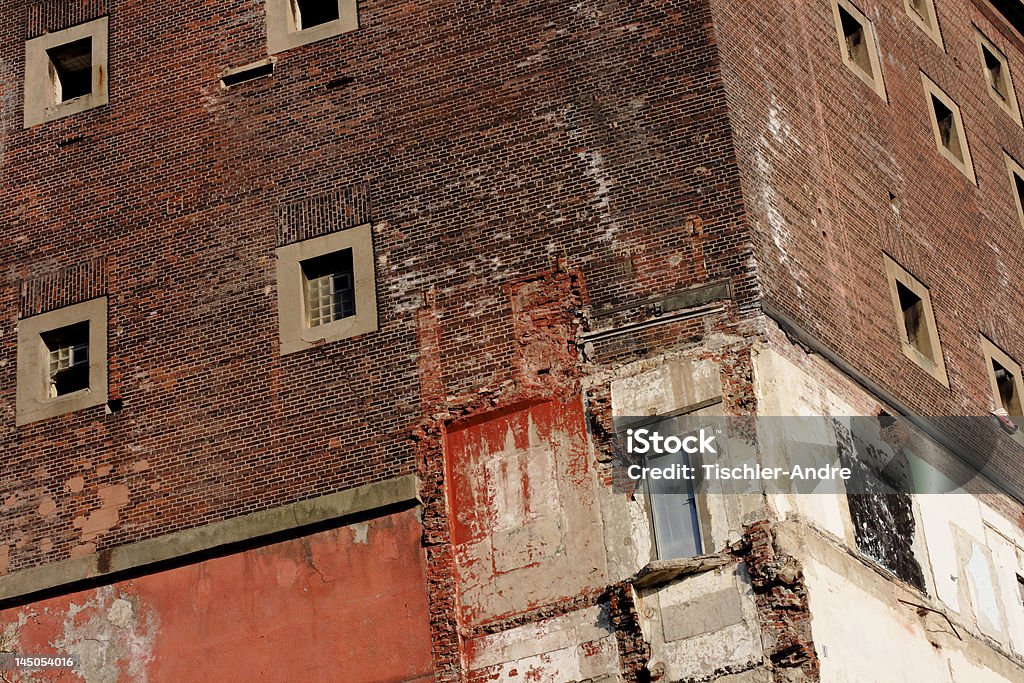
[[71, 69], [68, 368], [310, 13], [329, 283]]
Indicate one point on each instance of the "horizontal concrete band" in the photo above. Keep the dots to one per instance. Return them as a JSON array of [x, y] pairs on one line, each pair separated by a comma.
[[346, 503]]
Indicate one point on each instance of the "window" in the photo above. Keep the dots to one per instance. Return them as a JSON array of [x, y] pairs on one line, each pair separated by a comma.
[[326, 289], [71, 69], [65, 72], [1016, 185], [948, 128], [291, 23], [1020, 588], [68, 354], [923, 14], [62, 361], [1004, 379], [309, 13], [919, 337], [329, 284], [997, 75], [673, 503], [858, 46]]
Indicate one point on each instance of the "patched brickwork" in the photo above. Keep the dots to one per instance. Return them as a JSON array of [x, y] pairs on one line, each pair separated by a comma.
[[63, 287], [504, 144], [54, 15]]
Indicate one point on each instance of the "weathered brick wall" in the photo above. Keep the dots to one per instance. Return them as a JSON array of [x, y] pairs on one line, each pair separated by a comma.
[[820, 154], [485, 141]]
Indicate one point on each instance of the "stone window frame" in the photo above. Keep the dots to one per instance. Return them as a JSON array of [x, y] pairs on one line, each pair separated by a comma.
[[934, 366], [1010, 105], [282, 33], [294, 333], [33, 400], [874, 80], [928, 24], [931, 89], [40, 106], [991, 353]]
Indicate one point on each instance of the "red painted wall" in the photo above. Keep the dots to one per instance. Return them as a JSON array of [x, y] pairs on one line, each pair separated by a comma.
[[342, 605], [525, 524]]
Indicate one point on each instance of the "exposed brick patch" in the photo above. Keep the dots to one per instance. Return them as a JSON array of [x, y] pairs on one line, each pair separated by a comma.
[[63, 287], [634, 651], [547, 315], [326, 213], [781, 598], [442, 588], [55, 15]]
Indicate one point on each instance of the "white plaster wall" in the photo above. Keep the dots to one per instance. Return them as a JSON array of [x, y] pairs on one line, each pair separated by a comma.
[[970, 553], [860, 637], [572, 647], [734, 645]]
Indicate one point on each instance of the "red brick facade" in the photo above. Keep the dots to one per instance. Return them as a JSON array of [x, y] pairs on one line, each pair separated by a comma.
[[504, 142]]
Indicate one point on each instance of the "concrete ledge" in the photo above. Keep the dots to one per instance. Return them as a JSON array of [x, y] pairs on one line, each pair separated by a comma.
[[661, 572], [346, 503]]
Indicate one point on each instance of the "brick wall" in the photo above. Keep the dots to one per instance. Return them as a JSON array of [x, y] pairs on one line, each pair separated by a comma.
[[821, 154], [486, 143]]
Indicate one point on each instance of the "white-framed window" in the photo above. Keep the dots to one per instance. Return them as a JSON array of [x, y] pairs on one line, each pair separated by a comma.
[[948, 128], [915, 320], [997, 76], [1004, 376], [923, 14]]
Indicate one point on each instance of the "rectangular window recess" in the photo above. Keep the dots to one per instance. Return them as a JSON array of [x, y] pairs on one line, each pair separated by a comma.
[[71, 69], [309, 13], [856, 41], [249, 72], [858, 45], [1006, 382], [1020, 588], [920, 8], [1004, 375], [947, 129], [914, 320], [997, 75], [68, 359], [923, 14], [329, 284]]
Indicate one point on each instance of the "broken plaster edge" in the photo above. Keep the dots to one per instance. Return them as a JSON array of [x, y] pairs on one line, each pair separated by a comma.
[[345, 503]]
